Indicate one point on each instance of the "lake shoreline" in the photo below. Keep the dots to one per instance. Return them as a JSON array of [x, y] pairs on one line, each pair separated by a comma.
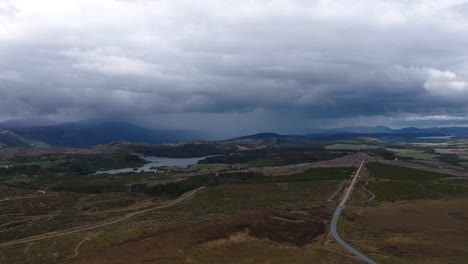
[[154, 163]]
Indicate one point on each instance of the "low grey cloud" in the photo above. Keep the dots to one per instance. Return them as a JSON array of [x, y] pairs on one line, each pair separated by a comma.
[[262, 64]]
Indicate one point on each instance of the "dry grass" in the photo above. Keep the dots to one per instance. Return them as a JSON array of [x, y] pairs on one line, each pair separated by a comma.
[[411, 232], [257, 237]]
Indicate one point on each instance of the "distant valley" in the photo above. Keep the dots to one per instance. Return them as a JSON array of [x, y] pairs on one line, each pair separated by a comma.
[[70, 196], [48, 133]]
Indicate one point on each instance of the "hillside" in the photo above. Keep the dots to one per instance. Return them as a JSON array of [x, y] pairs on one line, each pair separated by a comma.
[[85, 134], [11, 139], [28, 122]]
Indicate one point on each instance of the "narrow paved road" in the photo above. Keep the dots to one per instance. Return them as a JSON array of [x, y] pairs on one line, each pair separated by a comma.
[[336, 216]]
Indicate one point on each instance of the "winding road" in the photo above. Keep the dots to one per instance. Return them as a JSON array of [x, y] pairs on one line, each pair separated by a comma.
[[336, 216]]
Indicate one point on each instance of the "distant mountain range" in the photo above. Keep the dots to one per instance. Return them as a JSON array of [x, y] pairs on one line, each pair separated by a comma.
[[387, 130], [357, 130], [380, 132], [18, 133], [44, 133], [28, 122]]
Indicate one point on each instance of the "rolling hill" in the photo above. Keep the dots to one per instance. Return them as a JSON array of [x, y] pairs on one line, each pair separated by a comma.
[[89, 133]]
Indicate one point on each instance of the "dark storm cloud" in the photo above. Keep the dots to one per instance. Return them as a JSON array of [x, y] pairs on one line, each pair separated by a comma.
[[381, 61]]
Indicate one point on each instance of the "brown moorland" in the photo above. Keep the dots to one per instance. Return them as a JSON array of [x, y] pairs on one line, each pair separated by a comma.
[[267, 236]]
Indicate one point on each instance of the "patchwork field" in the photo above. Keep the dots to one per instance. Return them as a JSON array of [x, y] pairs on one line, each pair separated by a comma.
[[349, 146]]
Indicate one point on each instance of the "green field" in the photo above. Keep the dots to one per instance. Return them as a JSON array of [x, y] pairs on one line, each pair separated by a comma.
[[417, 155], [316, 174], [459, 180], [42, 164], [392, 172], [204, 168], [395, 183], [397, 191], [232, 198], [193, 182], [414, 154], [349, 146], [464, 160], [308, 189]]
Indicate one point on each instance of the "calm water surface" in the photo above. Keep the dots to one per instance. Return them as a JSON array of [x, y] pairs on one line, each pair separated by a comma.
[[157, 162]]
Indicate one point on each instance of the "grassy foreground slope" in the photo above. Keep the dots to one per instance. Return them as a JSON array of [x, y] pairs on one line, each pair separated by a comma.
[[415, 217], [282, 219], [419, 231]]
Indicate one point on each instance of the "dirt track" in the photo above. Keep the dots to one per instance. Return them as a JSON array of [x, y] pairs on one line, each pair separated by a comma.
[[87, 228], [175, 243]]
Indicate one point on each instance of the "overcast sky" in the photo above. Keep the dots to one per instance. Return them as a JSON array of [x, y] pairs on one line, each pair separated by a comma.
[[235, 67]]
